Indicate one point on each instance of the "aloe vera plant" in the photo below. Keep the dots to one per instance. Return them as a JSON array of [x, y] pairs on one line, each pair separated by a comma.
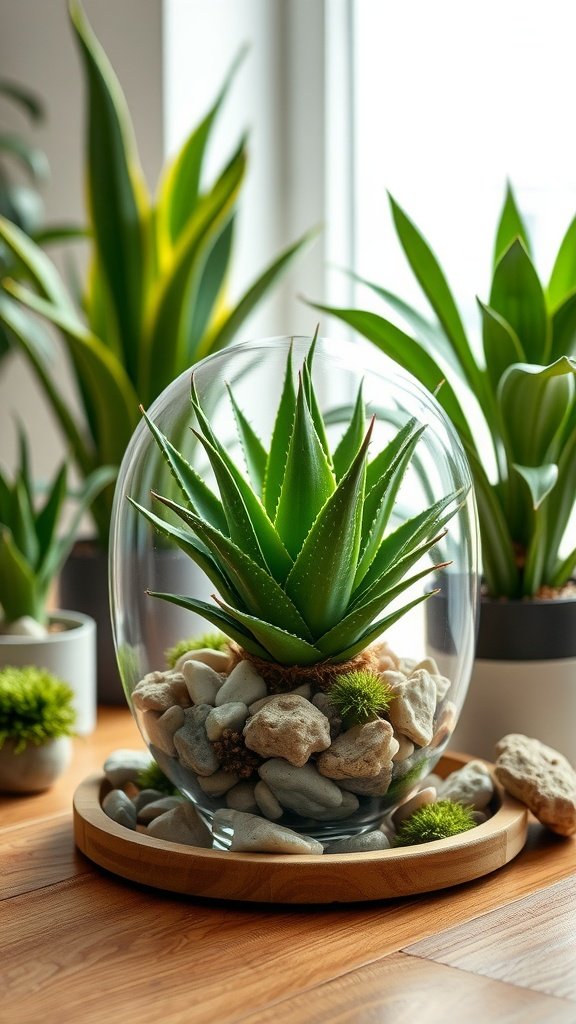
[[33, 543], [156, 298], [524, 389], [301, 551]]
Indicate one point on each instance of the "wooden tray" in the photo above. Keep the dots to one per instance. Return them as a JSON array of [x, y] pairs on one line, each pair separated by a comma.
[[279, 878]]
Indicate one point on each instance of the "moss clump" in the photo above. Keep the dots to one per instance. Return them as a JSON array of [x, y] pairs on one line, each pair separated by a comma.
[[435, 821], [217, 641], [152, 777], [35, 706], [359, 696]]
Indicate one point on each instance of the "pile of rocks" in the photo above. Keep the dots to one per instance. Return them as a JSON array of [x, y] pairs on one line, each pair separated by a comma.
[[277, 755], [174, 818]]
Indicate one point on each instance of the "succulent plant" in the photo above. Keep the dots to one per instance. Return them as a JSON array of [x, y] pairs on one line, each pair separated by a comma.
[[300, 554], [33, 547], [35, 706], [524, 389]]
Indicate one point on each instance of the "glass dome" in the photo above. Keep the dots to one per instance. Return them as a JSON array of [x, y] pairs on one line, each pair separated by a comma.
[[314, 510]]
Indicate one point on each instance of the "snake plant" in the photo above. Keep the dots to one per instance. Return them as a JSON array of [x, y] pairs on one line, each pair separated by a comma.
[[156, 298], [522, 385], [33, 542], [300, 551]]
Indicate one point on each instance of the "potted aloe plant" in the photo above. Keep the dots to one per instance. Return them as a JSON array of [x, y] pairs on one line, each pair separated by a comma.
[[34, 544], [521, 391], [156, 298], [316, 542]]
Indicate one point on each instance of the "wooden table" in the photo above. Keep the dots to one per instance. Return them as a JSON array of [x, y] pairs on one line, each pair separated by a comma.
[[80, 945]]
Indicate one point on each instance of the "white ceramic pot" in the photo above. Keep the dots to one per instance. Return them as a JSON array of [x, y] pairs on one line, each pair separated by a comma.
[[36, 767], [69, 654]]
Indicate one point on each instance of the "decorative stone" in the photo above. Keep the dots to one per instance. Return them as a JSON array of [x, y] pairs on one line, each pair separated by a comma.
[[202, 682], [268, 805], [294, 787], [160, 728], [158, 691], [471, 785], [324, 704], [541, 778], [361, 752], [257, 835], [192, 744], [26, 625], [376, 786], [386, 659], [125, 766], [154, 809], [405, 747], [181, 825], [288, 726], [218, 660], [243, 684], [120, 808], [366, 842], [309, 809], [412, 709], [444, 724], [145, 796], [217, 784], [227, 716], [409, 807], [241, 798]]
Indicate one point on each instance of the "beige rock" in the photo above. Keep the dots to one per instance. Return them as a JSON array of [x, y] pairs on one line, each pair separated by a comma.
[[444, 724], [470, 785], [160, 728], [202, 682], [405, 747], [385, 656], [243, 684], [413, 804], [361, 752], [378, 786], [158, 691], [218, 660], [412, 709], [541, 778], [288, 726]]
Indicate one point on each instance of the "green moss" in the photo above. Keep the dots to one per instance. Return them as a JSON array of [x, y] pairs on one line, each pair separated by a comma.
[[360, 696], [217, 641], [152, 777], [435, 821], [35, 706]]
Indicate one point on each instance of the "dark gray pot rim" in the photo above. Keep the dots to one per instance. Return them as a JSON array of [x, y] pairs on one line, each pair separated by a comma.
[[533, 629]]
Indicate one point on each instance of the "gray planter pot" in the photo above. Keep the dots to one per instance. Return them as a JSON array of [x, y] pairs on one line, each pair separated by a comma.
[[69, 654], [35, 768]]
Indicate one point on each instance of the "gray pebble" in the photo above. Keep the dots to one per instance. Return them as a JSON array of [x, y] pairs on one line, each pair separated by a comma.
[[157, 807], [295, 783], [202, 682], [192, 744], [255, 834], [243, 684], [160, 728], [364, 843], [471, 785], [227, 716], [146, 796], [268, 805], [120, 808], [125, 766], [218, 783], [241, 798], [181, 825]]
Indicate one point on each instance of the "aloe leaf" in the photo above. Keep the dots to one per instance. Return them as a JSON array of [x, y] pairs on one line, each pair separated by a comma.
[[308, 480], [280, 441], [408, 535], [351, 439], [37, 265], [47, 519], [209, 302], [320, 582], [167, 317], [281, 646], [276, 557], [380, 499], [501, 344], [19, 594], [218, 618], [533, 571], [195, 550], [22, 524], [197, 493], [534, 401], [116, 190], [431, 278], [539, 480], [510, 227], [409, 354], [353, 625], [311, 396], [517, 295], [564, 329], [225, 332], [395, 572], [376, 630], [561, 504], [254, 452], [259, 591], [179, 188], [563, 277]]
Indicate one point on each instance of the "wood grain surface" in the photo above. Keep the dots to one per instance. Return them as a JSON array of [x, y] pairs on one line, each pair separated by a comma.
[[81, 946]]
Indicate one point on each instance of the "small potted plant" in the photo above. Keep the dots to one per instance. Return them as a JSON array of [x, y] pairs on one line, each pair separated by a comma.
[[520, 398], [36, 722], [156, 300], [34, 544], [316, 543]]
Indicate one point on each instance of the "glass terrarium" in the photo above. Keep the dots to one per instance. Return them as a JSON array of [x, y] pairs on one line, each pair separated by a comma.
[[294, 585]]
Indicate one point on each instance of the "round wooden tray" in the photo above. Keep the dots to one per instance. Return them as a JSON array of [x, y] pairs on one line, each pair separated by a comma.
[[279, 878]]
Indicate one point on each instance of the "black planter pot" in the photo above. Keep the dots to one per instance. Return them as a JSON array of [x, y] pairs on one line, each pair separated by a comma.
[[530, 630]]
